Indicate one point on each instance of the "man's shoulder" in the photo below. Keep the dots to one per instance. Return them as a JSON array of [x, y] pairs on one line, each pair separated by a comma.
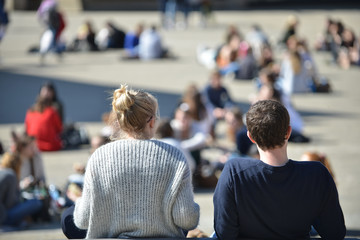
[[312, 168], [238, 165], [241, 169], [309, 165]]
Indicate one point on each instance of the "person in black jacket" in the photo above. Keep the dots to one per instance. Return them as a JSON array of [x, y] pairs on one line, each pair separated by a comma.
[[275, 197]]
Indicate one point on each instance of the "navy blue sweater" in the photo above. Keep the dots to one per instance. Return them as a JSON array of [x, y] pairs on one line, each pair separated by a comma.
[[255, 200]]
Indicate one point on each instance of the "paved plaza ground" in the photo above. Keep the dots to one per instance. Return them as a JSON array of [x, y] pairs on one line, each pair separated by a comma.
[[84, 81]]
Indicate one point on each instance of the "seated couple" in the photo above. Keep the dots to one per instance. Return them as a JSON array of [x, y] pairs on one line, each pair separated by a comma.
[[138, 187]]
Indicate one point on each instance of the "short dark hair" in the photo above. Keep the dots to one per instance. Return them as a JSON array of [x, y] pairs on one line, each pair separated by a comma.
[[267, 122]]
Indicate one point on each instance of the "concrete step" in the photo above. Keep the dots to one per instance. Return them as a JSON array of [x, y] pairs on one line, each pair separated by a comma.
[[71, 5]]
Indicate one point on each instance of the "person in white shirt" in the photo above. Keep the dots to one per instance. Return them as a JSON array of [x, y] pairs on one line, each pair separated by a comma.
[[150, 45]]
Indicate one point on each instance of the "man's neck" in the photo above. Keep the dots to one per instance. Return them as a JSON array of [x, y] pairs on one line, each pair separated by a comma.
[[275, 157]]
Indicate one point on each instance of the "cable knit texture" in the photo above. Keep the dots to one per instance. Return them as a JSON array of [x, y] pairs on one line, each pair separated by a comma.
[[137, 188]]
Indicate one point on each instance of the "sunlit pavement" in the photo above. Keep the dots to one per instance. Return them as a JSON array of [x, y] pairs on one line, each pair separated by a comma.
[[85, 80]]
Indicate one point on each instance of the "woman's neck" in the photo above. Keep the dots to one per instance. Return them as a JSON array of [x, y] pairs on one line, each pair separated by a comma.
[[132, 136]]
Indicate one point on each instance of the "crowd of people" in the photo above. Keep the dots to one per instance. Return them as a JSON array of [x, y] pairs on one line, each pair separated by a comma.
[[341, 41], [26, 196], [139, 179], [144, 42], [146, 168], [171, 154], [240, 54], [251, 57]]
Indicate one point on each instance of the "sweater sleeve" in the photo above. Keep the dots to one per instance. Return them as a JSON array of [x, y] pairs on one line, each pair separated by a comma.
[[331, 224], [225, 214], [185, 211], [83, 204]]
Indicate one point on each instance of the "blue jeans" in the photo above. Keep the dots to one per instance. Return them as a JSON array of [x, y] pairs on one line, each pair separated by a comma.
[[17, 213], [170, 10]]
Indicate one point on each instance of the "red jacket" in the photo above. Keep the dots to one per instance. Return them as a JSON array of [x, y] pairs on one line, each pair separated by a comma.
[[46, 127]]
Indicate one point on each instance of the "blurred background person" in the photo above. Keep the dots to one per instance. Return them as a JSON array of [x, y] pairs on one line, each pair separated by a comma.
[[53, 21], [291, 26], [151, 45], [165, 133], [32, 170], [110, 37], [48, 92], [131, 44], [43, 122], [85, 38], [4, 19], [216, 98], [13, 209]]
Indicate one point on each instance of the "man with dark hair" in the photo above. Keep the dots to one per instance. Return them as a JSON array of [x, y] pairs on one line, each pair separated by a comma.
[[275, 197]]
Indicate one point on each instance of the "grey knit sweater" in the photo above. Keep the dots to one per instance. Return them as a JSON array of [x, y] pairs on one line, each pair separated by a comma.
[[137, 188]]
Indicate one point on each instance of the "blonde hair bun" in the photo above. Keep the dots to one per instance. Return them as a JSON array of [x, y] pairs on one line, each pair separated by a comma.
[[123, 99], [131, 111]]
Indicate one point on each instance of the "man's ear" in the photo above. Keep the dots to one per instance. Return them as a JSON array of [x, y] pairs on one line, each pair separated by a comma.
[[288, 133], [249, 136]]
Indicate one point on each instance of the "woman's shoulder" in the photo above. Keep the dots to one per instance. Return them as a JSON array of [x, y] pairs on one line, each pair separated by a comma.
[[163, 145], [152, 148], [161, 148], [156, 146], [50, 110], [125, 143]]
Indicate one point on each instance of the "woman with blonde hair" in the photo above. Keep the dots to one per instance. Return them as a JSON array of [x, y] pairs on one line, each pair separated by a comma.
[[12, 209], [135, 186], [32, 170]]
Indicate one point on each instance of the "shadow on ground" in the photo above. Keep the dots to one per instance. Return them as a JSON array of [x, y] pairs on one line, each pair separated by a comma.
[[82, 102], [85, 102], [309, 113], [54, 224]]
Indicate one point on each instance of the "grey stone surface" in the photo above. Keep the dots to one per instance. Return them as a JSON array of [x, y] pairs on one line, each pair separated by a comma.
[[331, 120]]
